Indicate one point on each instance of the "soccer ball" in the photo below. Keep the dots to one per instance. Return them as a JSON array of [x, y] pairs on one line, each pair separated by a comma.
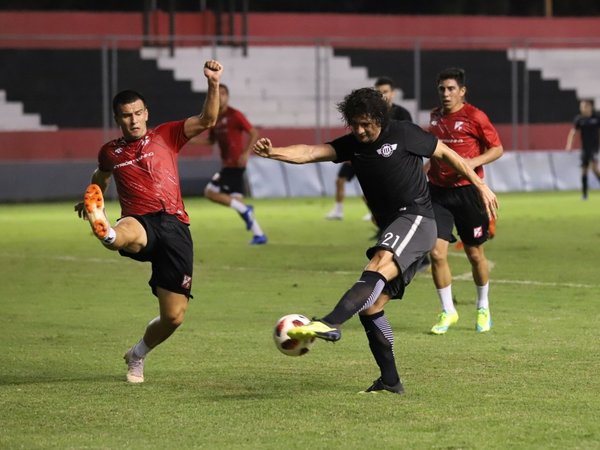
[[286, 345]]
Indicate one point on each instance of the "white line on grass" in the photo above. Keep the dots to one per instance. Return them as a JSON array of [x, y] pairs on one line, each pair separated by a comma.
[[462, 277]]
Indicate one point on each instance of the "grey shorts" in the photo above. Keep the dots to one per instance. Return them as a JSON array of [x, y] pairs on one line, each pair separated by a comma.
[[410, 238]]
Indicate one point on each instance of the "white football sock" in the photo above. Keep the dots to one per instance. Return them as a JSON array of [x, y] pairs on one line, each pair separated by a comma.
[[445, 295], [238, 206], [482, 296], [110, 237], [256, 229]]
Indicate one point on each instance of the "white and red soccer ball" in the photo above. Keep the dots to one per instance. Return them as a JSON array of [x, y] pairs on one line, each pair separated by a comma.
[[287, 345]]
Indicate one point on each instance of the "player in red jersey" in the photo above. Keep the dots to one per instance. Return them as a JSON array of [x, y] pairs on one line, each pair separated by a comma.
[[469, 132], [153, 225], [228, 187]]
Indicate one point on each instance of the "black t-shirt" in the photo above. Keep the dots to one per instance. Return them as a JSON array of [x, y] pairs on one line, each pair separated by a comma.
[[590, 129], [390, 170], [397, 112]]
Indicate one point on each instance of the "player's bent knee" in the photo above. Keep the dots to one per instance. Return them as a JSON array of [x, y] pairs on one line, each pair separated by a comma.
[[209, 194], [437, 255], [173, 319]]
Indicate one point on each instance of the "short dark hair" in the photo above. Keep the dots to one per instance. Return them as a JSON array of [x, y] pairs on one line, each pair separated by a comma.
[[125, 97], [382, 81], [224, 86], [453, 73], [364, 102]]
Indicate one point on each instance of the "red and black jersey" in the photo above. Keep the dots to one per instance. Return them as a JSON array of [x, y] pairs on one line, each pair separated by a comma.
[[229, 134], [145, 171], [469, 133]]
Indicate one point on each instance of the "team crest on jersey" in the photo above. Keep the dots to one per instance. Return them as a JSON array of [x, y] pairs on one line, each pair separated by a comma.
[[187, 282], [386, 150], [477, 232]]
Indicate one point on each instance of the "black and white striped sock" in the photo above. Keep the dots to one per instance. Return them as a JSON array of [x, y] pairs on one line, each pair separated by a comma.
[[360, 296], [381, 342]]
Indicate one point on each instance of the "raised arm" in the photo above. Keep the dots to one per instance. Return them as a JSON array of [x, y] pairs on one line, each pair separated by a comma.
[[295, 154], [453, 159], [208, 117]]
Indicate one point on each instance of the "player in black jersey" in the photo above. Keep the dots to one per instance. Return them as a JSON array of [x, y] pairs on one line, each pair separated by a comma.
[[588, 124], [387, 157], [387, 88]]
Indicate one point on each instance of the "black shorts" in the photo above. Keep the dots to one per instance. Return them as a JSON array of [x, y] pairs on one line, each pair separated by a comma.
[[346, 171], [460, 206], [230, 180], [588, 157], [410, 238], [170, 250]]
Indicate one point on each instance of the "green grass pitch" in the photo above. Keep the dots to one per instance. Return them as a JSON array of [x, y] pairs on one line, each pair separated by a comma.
[[69, 309]]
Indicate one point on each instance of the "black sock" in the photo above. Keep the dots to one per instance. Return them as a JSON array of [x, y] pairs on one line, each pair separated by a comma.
[[584, 185], [362, 295], [381, 341]]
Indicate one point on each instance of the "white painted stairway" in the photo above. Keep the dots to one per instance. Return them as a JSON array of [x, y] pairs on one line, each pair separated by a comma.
[[574, 68], [274, 86], [15, 119]]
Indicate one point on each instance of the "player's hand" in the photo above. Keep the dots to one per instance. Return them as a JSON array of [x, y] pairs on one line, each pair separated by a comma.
[[263, 147], [213, 70], [80, 210], [490, 201]]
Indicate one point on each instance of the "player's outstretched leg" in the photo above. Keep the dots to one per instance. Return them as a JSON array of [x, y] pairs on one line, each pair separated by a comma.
[[316, 329], [93, 202]]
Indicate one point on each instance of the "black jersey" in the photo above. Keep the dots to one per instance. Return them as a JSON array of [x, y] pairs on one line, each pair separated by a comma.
[[390, 170], [397, 112], [590, 129]]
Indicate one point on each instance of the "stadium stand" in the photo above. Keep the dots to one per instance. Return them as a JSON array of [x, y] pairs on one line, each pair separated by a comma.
[[576, 68], [17, 119], [71, 80], [64, 60], [488, 78], [287, 94], [54, 84], [270, 93]]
